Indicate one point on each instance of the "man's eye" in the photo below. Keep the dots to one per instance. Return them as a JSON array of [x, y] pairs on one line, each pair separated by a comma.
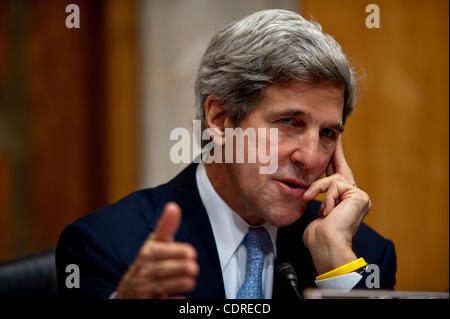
[[287, 121], [327, 133]]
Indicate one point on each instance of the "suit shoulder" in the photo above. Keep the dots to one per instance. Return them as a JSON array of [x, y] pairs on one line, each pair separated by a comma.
[[123, 226], [136, 207]]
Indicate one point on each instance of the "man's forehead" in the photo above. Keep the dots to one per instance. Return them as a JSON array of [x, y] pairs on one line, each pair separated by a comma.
[[286, 97], [293, 88]]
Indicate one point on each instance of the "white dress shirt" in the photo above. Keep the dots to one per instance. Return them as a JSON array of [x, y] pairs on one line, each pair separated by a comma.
[[229, 230]]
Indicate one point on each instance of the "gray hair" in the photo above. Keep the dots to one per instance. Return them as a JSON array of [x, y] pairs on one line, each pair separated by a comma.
[[264, 48]]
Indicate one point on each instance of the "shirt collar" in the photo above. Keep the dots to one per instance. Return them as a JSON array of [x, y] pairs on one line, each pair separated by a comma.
[[228, 227]]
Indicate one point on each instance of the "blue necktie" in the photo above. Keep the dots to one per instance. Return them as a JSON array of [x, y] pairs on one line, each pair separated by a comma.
[[258, 244]]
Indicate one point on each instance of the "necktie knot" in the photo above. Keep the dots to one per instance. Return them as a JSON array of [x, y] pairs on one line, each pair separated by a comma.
[[258, 244]]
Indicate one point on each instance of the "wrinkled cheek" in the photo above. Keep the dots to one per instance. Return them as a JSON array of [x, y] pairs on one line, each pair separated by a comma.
[[250, 177]]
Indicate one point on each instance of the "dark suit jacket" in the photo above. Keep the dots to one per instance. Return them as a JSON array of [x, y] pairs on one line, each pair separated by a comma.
[[105, 243]]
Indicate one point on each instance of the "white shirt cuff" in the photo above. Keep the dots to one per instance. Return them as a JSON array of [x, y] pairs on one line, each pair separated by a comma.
[[346, 281], [113, 295]]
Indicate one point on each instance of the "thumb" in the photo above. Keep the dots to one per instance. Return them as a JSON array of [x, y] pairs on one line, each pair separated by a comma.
[[168, 223]]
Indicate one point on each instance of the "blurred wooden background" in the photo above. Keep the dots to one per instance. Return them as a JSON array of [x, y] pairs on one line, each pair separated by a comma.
[[69, 111], [70, 95]]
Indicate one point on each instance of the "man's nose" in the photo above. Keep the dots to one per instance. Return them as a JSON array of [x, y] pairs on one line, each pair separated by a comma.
[[306, 151]]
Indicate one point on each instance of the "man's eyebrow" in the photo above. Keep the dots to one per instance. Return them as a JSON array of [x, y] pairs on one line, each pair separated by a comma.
[[338, 127], [335, 126], [291, 113]]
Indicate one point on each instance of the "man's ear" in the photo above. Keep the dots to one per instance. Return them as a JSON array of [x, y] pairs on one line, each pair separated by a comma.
[[216, 117]]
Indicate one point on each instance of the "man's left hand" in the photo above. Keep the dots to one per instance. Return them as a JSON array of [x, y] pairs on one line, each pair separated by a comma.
[[329, 237]]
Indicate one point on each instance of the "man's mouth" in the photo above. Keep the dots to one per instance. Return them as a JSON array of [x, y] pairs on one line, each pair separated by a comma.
[[292, 186]]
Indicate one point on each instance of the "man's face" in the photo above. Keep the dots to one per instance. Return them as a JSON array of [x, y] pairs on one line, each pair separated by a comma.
[[309, 121]]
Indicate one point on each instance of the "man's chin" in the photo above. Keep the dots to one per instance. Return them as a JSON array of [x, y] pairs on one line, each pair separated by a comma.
[[285, 218]]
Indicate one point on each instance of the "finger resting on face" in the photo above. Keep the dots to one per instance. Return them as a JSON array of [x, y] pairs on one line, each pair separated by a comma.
[[338, 154], [322, 185], [313, 190], [319, 186], [340, 164], [330, 198]]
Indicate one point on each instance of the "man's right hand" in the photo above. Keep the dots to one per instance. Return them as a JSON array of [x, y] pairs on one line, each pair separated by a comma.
[[163, 268]]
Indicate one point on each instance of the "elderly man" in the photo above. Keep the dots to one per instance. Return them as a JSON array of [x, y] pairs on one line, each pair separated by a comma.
[[219, 229]]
